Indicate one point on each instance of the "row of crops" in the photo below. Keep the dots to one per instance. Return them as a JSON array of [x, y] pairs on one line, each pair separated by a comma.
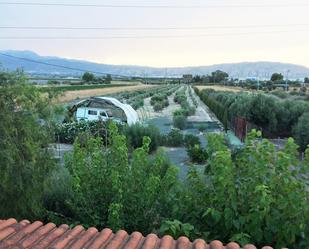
[[136, 98], [276, 117], [160, 100], [180, 116]]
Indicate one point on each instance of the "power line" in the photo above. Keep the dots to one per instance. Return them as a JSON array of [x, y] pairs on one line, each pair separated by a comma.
[[158, 6], [149, 28], [142, 37], [55, 65]]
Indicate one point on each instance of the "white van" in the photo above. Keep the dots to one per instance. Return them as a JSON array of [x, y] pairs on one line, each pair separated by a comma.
[[91, 114]]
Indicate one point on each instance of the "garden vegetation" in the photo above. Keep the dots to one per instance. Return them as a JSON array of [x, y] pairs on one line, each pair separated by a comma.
[[257, 194]]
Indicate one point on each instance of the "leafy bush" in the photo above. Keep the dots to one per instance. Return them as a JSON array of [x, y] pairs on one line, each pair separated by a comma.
[[191, 140], [115, 191], [174, 138], [197, 154], [176, 229], [68, 132], [246, 197], [135, 134], [180, 121], [158, 106], [181, 98]]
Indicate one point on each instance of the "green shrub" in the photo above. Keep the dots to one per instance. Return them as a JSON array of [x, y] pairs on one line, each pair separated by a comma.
[[175, 228], [174, 138], [197, 154], [158, 107], [115, 190], [135, 134], [191, 140], [180, 122], [68, 132]]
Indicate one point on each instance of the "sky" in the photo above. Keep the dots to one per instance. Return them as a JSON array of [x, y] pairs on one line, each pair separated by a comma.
[[209, 32]]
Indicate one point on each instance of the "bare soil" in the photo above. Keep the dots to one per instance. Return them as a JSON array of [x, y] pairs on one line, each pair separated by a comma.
[[72, 95], [222, 88]]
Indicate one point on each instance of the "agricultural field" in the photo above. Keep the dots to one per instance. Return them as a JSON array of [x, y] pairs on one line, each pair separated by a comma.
[[173, 173], [221, 88], [71, 95]]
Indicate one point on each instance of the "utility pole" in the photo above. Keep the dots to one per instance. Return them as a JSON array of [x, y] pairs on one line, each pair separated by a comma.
[[287, 79]]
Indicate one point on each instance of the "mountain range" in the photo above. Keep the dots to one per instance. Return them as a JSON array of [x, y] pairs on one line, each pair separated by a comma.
[[34, 64]]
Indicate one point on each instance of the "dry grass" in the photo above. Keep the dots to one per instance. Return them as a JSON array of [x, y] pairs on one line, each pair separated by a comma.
[[72, 95], [120, 82], [222, 88]]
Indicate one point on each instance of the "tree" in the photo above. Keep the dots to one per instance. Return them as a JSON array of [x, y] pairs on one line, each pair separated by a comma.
[[25, 161], [301, 131], [197, 79], [244, 196], [219, 76], [276, 77], [306, 80], [111, 190], [88, 77], [108, 79]]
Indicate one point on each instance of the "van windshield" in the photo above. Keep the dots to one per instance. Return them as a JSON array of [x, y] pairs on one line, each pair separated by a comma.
[[103, 114]]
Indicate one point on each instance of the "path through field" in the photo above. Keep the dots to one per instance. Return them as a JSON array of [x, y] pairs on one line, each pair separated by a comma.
[[164, 121]]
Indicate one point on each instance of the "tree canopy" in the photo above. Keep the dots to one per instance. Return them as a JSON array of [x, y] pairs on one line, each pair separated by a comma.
[[88, 77], [276, 77], [25, 161]]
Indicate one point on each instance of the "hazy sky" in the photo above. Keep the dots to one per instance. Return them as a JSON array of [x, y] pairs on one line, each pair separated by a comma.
[[255, 33]]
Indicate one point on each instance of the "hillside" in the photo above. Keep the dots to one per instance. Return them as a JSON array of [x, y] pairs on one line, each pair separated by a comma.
[[239, 70]]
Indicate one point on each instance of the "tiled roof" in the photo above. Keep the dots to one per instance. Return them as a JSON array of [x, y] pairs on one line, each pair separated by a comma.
[[36, 235]]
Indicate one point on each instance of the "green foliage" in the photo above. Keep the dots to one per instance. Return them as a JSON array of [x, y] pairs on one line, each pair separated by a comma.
[[88, 77], [136, 132], [14, 78], [110, 190], [276, 77], [24, 136], [181, 98], [245, 197], [108, 79], [159, 101], [191, 140], [197, 154], [275, 116], [175, 228], [301, 131], [174, 138], [219, 76], [180, 121], [68, 132]]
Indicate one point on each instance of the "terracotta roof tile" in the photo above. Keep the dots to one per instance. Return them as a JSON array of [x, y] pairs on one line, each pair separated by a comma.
[[38, 236]]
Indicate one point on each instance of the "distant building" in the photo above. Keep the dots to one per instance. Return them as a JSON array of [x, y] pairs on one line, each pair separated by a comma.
[[187, 78]]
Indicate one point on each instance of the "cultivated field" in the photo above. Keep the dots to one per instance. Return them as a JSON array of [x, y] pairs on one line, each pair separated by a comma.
[[222, 88], [72, 95]]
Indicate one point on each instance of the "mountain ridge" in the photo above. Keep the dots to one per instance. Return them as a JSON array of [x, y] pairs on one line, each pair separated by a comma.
[[263, 69]]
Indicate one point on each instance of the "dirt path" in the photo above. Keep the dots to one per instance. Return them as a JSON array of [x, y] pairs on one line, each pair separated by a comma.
[[203, 113]]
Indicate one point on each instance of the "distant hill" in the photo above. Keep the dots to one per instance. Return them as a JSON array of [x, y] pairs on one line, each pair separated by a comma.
[[236, 70]]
